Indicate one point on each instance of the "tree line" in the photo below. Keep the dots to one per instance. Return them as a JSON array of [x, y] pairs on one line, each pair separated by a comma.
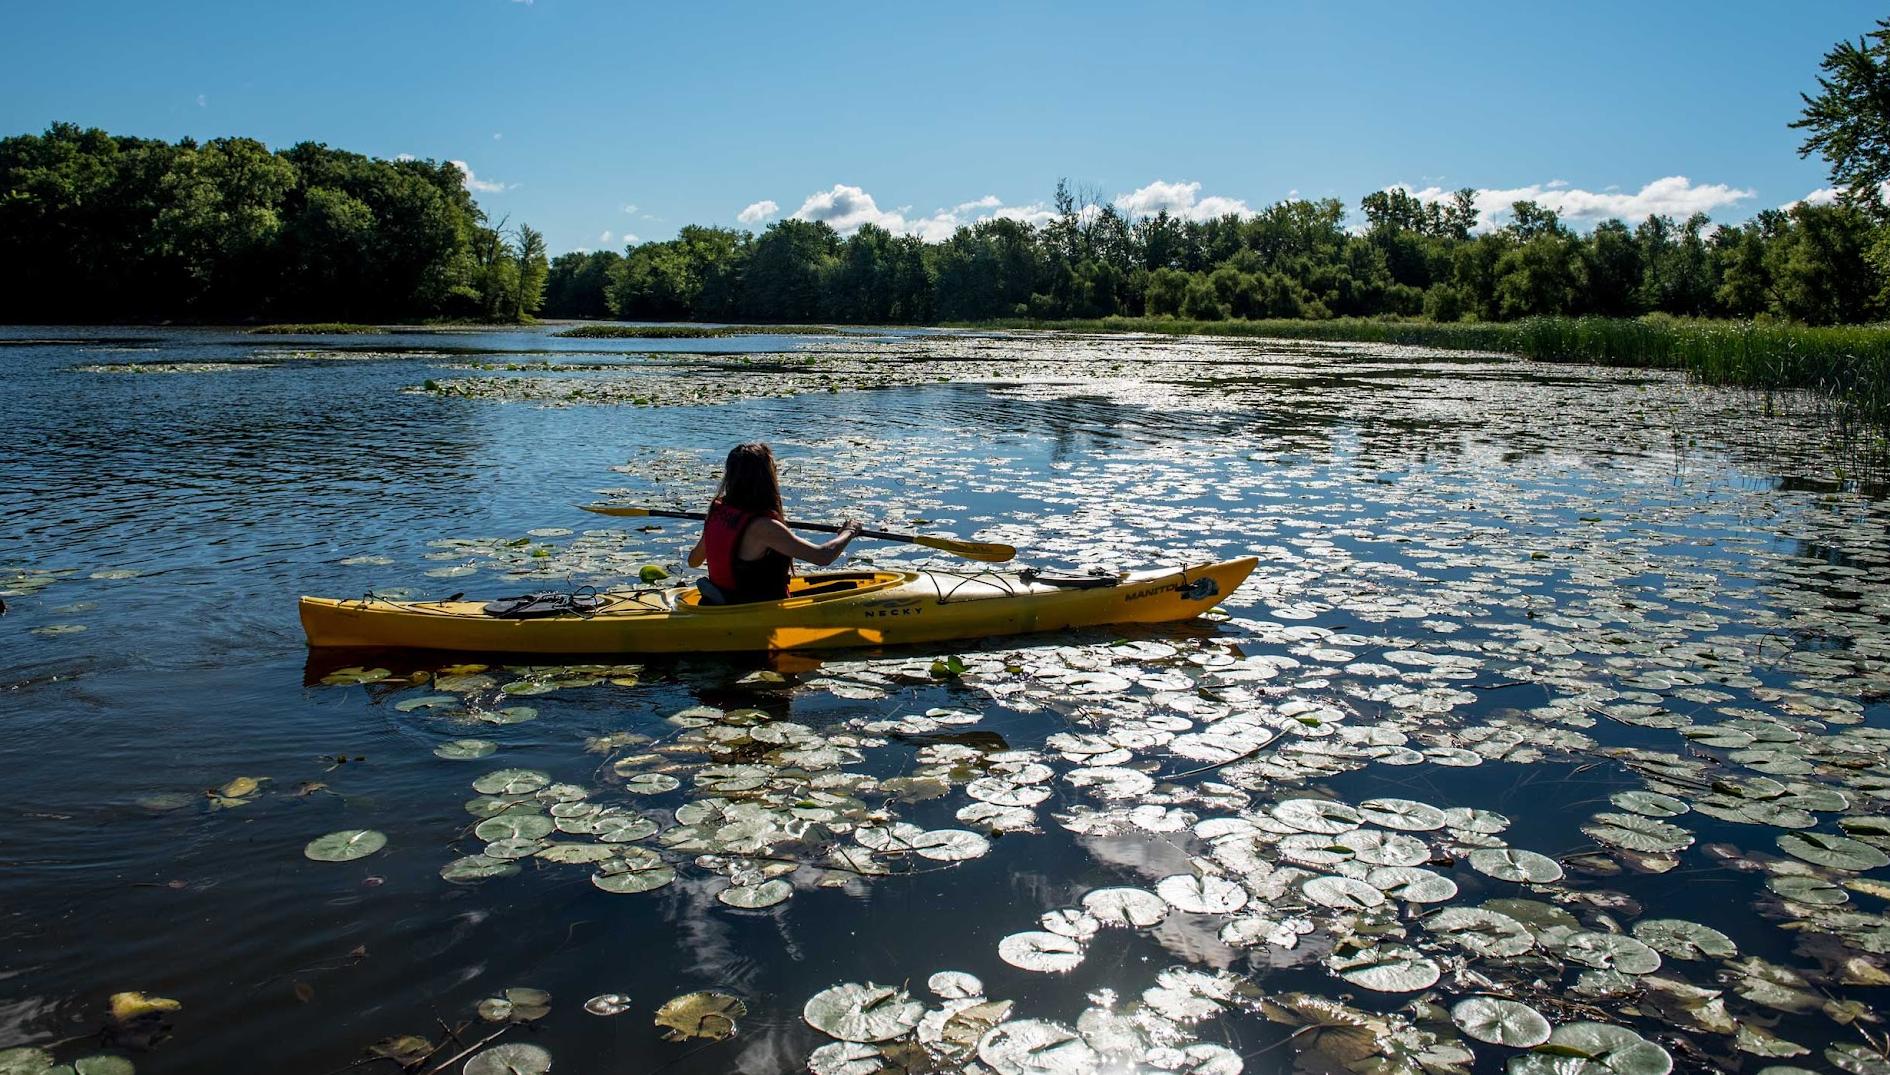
[[1294, 259], [109, 227]]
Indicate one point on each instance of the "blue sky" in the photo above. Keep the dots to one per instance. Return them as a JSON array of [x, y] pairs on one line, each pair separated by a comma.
[[587, 117]]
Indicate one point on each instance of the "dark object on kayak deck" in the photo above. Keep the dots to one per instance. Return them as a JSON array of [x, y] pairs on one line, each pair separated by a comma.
[[1064, 580], [534, 606]]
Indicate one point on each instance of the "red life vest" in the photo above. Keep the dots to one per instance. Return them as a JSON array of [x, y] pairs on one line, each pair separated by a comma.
[[721, 541], [764, 578]]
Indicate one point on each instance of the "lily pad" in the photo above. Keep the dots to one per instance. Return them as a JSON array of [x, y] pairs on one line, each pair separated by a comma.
[[1342, 893], [1134, 908], [1205, 894], [1682, 939], [514, 826], [1514, 864], [346, 845], [1481, 932], [1636, 833], [25, 1060], [707, 1015], [513, 1058], [1386, 968], [1412, 884], [1408, 815], [863, 1012], [1593, 1049], [954, 985], [477, 868], [1036, 1045], [753, 897], [1038, 950], [950, 845], [1649, 803], [607, 1004], [465, 749], [629, 882], [511, 782], [1609, 951], [1500, 1022], [1836, 852]]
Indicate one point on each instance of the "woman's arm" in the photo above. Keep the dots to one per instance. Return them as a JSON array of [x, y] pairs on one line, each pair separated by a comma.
[[700, 554], [770, 534]]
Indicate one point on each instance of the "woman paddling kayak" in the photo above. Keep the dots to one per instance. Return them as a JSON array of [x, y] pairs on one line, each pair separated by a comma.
[[748, 550]]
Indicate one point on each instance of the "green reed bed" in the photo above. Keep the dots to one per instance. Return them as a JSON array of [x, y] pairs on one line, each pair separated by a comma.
[[1850, 365], [690, 332], [318, 328]]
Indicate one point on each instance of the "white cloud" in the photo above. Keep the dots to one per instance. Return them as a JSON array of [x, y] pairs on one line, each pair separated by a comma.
[[758, 212], [497, 135], [1832, 195], [629, 207], [628, 239], [474, 183], [1180, 200], [1674, 196], [203, 101], [405, 157], [848, 208], [604, 238]]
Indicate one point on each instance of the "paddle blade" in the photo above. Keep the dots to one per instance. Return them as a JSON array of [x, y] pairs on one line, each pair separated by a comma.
[[617, 509], [988, 551]]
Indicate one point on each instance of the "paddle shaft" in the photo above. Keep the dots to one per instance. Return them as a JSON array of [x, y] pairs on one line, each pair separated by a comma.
[[988, 551], [825, 528]]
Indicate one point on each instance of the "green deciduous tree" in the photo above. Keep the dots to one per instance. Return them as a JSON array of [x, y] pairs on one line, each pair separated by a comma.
[[1848, 121]]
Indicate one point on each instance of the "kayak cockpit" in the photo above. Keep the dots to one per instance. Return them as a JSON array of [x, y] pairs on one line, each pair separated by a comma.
[[804, 590]]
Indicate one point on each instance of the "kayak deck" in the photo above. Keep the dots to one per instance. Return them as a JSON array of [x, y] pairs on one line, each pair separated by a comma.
[[855, 608]]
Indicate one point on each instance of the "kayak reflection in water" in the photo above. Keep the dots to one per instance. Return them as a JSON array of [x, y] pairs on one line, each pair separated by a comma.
[[750, 553]]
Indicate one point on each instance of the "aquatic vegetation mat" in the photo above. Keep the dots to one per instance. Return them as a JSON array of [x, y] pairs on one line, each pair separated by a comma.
[[1551, 736]]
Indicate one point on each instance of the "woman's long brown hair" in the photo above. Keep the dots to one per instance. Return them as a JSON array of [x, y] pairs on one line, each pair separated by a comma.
[[749, 481]]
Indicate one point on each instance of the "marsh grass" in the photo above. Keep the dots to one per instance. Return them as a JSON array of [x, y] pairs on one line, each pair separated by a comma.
[[690, 332], [318, 328], [1847, 365]]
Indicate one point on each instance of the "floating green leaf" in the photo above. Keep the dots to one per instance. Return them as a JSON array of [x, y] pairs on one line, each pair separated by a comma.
[[1513, 864], [852, 1011], [346, 845], [1836, 852], [1500, 1022], [515, 1058]]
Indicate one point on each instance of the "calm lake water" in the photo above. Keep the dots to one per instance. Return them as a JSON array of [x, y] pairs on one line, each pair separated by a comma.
[[1605, 617]]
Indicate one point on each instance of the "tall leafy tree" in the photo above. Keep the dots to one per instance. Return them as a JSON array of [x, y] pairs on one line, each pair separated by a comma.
[[532, 272], [1848, 121]]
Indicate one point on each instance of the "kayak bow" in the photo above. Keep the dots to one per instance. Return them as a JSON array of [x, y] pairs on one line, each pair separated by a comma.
[[855, 608]]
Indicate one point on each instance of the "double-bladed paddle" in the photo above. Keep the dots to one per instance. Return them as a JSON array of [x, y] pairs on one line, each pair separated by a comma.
[[988, 551]]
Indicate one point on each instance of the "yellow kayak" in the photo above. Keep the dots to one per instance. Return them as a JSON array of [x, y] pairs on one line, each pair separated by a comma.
[[871, 608]]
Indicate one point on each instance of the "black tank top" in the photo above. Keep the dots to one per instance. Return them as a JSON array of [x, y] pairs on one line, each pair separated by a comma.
[[764, 578]]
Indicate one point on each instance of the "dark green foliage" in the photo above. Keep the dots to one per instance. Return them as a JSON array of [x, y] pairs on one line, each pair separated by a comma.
[[576, 284], [115, 227], [1849, 119]]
